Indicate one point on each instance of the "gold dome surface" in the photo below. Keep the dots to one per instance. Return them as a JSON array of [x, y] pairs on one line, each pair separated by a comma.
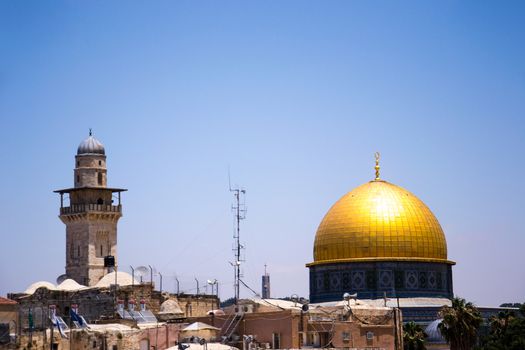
[[379, 221]]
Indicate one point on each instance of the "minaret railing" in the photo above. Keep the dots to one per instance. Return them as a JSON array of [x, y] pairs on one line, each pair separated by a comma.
[[82, 208]]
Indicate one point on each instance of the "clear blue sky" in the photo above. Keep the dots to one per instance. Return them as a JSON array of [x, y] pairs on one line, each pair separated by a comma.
[[295, 96]]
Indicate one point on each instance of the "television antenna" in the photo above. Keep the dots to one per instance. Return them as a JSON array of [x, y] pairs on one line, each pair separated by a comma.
[[239, 210]]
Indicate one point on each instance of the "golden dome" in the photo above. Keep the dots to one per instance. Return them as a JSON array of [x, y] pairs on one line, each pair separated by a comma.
[[379, 221]]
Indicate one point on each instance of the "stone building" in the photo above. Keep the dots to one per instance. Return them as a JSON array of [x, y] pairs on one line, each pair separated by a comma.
[[90, 216], [104, 337], [279, 324], [8, 319], [100, 303]]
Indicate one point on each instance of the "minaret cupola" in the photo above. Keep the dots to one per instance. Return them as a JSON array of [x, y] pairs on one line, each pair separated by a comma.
[[90, 163]]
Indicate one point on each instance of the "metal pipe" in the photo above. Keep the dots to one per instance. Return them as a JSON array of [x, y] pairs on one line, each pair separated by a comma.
[[151, 275], [132, 276]]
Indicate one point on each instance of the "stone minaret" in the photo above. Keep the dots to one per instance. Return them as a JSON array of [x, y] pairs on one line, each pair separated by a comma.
[[91, 215]]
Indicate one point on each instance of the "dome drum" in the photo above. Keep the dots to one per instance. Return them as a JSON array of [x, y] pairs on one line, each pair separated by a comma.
[[372, 280]]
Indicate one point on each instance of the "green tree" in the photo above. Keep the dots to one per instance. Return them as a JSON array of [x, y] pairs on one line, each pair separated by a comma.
[[413, 336], [228, 302], [507, 331], [460, 324]]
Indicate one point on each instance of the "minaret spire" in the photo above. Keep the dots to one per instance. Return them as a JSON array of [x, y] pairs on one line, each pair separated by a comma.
[[377, 155]]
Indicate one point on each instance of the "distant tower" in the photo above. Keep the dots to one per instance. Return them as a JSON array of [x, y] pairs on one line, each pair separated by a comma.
[[91, 217], [265, 284]]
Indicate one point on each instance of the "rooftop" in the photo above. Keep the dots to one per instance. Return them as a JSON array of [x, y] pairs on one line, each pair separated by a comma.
[[5, 301]]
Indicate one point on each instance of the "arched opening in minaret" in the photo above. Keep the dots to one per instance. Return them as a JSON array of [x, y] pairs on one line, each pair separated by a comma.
[[100, 201], [100, 178]]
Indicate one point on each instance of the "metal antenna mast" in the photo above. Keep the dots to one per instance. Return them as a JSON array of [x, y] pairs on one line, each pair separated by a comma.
[[239, 209]]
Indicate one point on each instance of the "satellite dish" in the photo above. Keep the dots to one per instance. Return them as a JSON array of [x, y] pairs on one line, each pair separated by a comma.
[[61, 278], [141, 272]]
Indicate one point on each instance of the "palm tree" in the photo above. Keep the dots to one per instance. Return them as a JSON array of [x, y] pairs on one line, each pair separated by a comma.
[[460, 324], [413, 336], [500, 323]]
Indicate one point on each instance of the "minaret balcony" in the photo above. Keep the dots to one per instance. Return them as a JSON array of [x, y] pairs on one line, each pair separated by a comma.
[[84, 208]]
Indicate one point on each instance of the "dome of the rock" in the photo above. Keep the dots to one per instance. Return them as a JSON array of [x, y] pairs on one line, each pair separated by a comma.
[[379, 239]]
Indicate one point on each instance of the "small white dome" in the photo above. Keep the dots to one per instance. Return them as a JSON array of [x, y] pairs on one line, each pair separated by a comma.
[[434, 335], [91, 146], [40, 284], [123, 279], [70, 285], [170, 306]]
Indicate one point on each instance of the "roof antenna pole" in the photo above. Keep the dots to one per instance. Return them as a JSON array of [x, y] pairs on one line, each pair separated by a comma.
[[239, 209]]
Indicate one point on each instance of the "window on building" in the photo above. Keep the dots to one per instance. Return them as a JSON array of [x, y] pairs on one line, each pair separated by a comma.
[[78, 178], [100, 178], [115, 347], [94, 344], [346, 336], [276, 341], [78, 251], [101, 250], [78, 163], [99, 162]]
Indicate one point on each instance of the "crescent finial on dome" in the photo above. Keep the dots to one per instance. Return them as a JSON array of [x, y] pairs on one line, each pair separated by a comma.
[[377, 155]]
